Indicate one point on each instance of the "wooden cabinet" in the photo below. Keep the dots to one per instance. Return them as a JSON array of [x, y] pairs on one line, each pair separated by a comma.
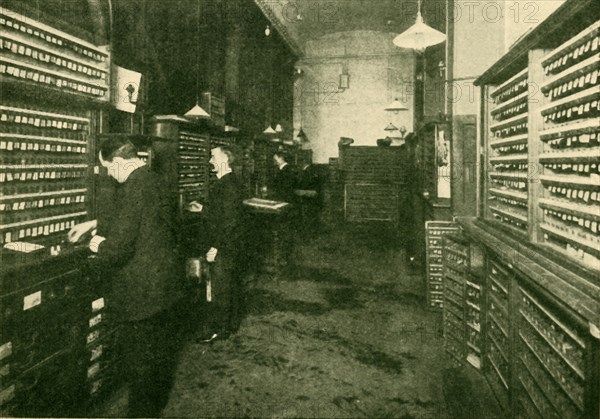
[[538, 351], [187, 153], [375, 183], [53, 327], [54, 87], [540, 129], [538, 209]]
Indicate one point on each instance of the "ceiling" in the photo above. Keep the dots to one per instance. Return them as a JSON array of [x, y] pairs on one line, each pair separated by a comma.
[[302, 20]]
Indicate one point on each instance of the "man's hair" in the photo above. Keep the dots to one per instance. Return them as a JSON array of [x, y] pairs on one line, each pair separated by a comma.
[[117, 146], [228, 151]]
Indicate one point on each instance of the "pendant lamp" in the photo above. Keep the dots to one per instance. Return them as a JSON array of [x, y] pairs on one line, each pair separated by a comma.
[[197, 112], [419, 36], [301, 137], [396, 106], [269, 130], [391, 127]]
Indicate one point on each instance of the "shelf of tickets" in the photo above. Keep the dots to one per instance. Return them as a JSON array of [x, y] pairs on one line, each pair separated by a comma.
[[434, 234], [17, 87], [38, 56], [543, 160], [45, 172]]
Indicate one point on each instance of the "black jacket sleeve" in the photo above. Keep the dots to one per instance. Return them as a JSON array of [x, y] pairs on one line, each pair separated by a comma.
[[119, 247], [223, 215]]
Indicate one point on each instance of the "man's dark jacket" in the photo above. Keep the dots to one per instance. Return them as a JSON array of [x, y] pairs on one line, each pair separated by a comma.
[[284, 183], [223, 215], [141, 247]]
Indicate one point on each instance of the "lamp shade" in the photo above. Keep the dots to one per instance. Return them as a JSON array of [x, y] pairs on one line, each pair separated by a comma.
[[396, 106], [269, 130], [278, 128], [197, 112], [391, 127], [419, 36], [302, 136]]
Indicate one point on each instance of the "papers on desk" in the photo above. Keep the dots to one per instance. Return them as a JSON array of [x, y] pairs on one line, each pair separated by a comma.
[[265, 204], [305, 193], [23, 247]]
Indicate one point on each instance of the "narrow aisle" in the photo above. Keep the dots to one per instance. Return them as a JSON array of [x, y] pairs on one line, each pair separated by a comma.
[[346, 336]]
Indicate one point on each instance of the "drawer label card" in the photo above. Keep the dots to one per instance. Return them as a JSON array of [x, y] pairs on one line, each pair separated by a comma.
[[6, 350], [93, 370], [5, 370], [7, 394], [95, 386], [98, 304], [32, 300], [95, 320], [93, 336], [96, 353]]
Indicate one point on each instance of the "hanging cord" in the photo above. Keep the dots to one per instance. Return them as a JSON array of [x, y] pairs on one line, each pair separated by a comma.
[[197, 52]]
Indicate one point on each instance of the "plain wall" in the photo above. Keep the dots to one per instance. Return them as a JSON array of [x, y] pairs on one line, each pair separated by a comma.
[[378, 72]]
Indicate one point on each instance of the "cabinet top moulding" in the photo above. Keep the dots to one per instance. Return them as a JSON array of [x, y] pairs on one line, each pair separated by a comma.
[[578, 210], [588, 245], [511, 158], [43, 166], [27, 21], [510, 214], [34, 44], [586, 155], [508, 122], [519, 196], [512, 175], [42, 194], [572, 180], [573, 100], [572, 43], [40, 113], [561, 25], [579, 127], [510, 102], [572, 72], [521, 75], [43, 220], [54, 73], [517, 139], [12, 136]]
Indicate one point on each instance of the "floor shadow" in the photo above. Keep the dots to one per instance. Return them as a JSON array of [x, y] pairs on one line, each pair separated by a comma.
[[261, 302], [345, 298], [389, 292], [319, 275]]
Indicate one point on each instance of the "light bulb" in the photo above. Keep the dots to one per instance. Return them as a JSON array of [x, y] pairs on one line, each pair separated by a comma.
[[268, 31]]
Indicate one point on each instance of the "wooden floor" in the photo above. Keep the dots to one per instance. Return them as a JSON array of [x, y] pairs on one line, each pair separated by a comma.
[[346, 334]]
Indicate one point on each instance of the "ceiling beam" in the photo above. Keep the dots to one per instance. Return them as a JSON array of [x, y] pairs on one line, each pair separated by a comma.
[[267, 10]]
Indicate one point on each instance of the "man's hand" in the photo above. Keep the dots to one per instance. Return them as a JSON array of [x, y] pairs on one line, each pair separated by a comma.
[[211, 254], [76, 232], [194, 207], [95, 243]]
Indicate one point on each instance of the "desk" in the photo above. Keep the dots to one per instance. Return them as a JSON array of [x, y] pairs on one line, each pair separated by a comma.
[[268, 239]]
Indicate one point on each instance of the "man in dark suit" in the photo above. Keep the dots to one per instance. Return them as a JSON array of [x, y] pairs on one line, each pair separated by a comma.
[[285, 229], [285, 179], [223, 215], [309, 191], [138, 248]]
